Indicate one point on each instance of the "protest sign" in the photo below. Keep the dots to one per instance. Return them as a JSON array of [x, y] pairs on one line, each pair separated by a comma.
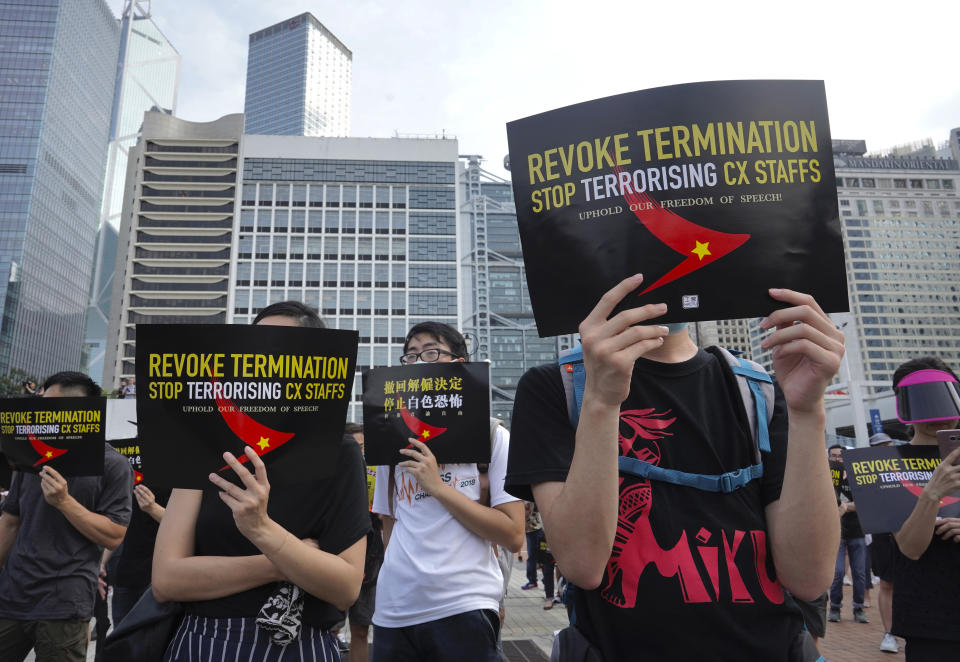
[[65, 433], [444, 405], [836, 475], [205, 389], [714, 191], [886, 482]]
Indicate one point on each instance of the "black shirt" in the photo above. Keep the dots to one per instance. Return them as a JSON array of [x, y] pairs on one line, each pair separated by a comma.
[[925, 598], [136, 556], [691, 575], [333, 511]]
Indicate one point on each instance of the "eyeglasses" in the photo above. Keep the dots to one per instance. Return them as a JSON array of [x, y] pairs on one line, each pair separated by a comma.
[[427, 356]]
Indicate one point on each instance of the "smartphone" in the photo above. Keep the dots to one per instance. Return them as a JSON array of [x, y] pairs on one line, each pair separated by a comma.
[[948, 440]]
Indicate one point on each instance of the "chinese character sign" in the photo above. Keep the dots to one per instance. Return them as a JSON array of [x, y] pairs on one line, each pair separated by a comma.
[[444, 405]]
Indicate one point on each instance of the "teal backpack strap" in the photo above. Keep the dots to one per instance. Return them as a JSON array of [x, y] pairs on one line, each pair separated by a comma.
[[726, 482], [756, 391], [573, 374]]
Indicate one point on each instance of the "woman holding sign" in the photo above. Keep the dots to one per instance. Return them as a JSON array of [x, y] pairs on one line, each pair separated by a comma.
[[440, 586], [926, 610], [260, 580]]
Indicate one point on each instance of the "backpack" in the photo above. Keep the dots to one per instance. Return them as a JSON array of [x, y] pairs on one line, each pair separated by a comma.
[[756, 391]]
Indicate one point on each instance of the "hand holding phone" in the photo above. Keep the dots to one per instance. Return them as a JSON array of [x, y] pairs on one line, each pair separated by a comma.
[[948, 441]]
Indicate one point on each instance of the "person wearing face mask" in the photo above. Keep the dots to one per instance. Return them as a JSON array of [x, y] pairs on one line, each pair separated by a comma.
[[439, 590], [669, 510], [927, 569]]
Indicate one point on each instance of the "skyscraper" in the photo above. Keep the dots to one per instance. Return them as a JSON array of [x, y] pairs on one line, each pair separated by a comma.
[[147, 76], [367, 235], [497, 314], [176, 231], [298, 80], [58, 62]]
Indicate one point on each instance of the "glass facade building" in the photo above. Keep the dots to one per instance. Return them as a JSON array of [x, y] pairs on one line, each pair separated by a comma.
[[57, 69], [367, 236], [146, 79], [497, 313], [298, 80], [900, 216]]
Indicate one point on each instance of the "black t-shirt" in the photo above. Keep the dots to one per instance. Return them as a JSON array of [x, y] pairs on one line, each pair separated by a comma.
[[333, 511], [136, 556], [925, 602], [691, 575], [849, 523]]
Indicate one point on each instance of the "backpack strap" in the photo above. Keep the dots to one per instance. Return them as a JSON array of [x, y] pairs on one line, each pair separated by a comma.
[[756, 387], [573, 374], [756, 392]]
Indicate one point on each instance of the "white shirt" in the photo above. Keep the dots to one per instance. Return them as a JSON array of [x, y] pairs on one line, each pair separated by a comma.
[[434, 566]]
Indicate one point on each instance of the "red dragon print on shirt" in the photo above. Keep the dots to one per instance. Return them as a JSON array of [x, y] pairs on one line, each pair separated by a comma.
[[635, 546]]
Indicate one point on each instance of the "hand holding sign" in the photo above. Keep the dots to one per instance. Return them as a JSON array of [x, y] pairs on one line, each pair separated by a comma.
[[948, 528], [54, 487], [807, 355], [249, 505], [612, 346], [423, 466]]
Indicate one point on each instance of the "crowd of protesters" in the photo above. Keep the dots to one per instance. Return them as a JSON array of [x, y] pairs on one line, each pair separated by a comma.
[[719, 547]]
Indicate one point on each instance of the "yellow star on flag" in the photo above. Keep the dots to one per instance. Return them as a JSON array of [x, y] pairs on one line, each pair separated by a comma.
[[264, 442], [702, 250], [425, 434], [49, 454]]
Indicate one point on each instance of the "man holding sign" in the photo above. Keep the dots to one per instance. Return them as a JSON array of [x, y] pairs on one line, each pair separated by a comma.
[[52, 534], [655, 558], [439, 590]]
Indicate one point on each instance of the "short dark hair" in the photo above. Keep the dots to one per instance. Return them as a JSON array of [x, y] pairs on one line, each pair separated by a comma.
[[352, 428], [920, 363], [301, 312], [840, 446], [442, 332], [72, 379]]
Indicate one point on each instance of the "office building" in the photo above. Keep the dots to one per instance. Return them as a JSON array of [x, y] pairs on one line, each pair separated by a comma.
[[176, 232], [497, 315], [146, 79], [58, 61], [298, 80], [362, 229], [900, 216]]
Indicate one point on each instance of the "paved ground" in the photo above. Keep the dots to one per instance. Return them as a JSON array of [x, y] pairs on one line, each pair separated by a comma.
[[527, 621]]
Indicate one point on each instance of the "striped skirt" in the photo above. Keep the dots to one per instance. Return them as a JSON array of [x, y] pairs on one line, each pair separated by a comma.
[[204, 639]]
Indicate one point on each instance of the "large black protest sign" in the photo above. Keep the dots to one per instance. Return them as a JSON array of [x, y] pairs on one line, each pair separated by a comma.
[[444, 405], [887, 481], [65, 433], [203, 390], [714, 191]]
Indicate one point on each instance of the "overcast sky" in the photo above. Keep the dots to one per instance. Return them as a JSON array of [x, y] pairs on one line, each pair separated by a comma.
[[467, 68]]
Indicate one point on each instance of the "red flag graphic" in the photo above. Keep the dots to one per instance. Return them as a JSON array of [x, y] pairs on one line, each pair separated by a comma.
[[256, 435], [44, 450], [423, 431], [137, 477], [701, 246], [915, 490]]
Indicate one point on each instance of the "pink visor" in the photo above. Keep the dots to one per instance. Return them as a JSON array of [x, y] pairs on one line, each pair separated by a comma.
[[928, 395]]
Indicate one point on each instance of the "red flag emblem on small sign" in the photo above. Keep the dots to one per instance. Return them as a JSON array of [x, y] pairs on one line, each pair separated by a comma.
[[44, 450], [422, 431]]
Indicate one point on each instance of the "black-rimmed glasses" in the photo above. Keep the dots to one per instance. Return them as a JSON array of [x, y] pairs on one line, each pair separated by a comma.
[[427, 356]]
